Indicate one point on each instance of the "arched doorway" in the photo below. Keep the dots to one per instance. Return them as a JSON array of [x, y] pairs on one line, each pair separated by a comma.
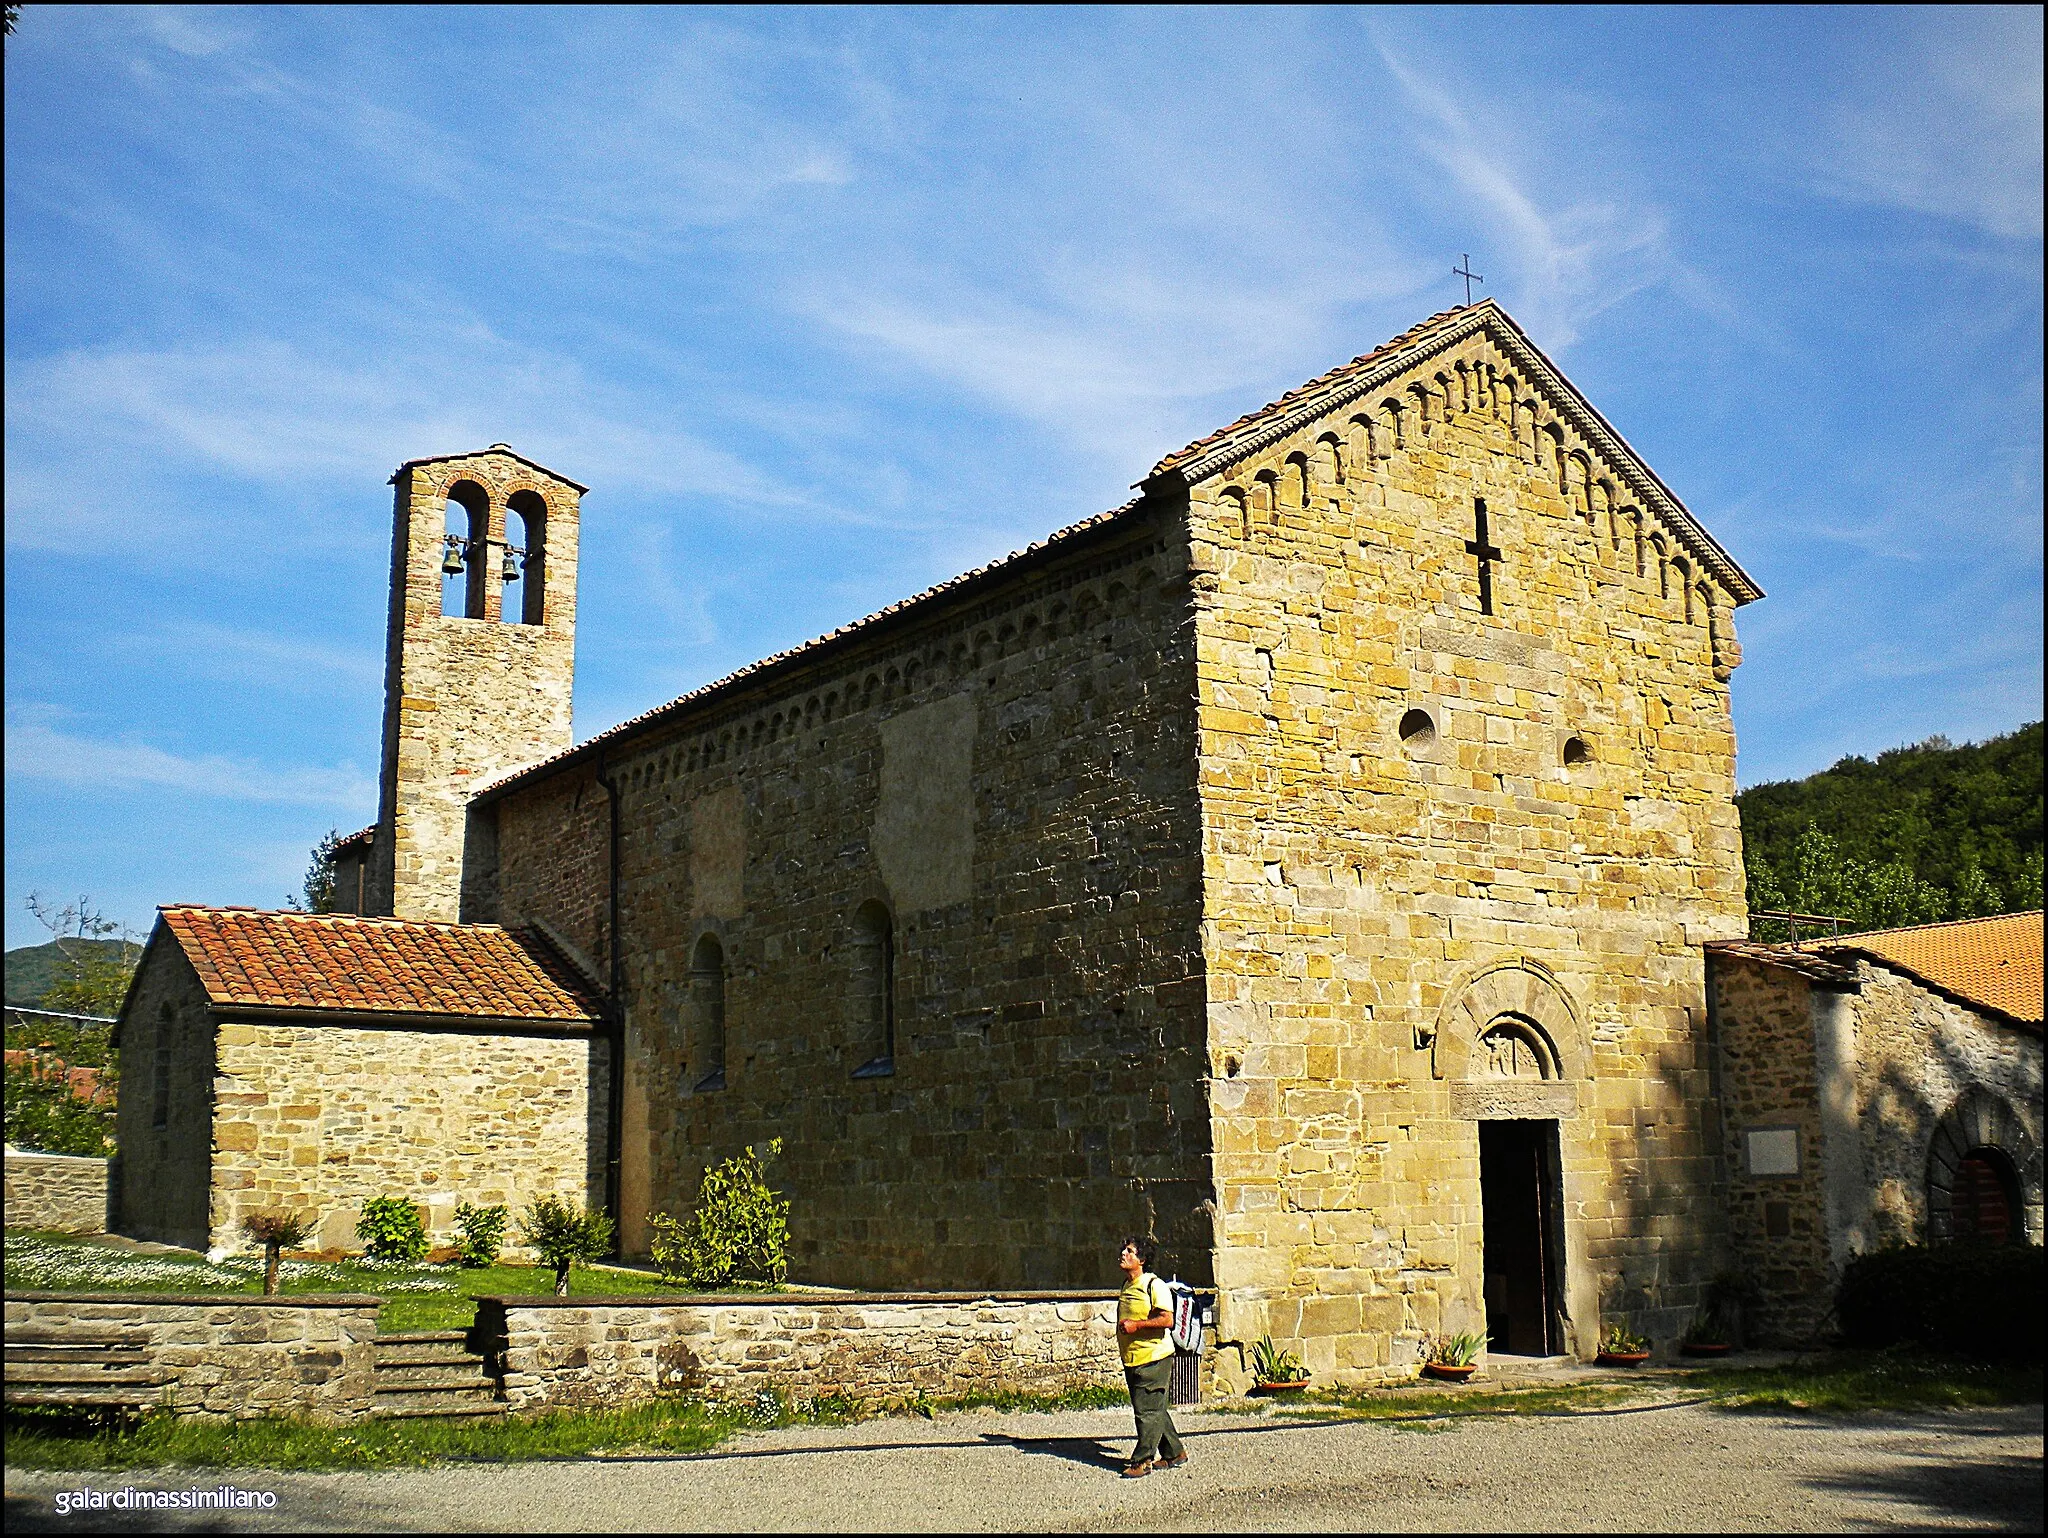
[[1984, 1200]]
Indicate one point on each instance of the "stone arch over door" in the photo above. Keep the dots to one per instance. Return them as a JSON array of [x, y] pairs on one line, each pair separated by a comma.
[[1514, 996], [1981, 1119]]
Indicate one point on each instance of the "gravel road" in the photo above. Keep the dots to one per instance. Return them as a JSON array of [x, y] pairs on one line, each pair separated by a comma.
[[1676, 1467]]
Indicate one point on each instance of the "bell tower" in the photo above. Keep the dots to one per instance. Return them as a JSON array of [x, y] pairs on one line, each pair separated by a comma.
[[479, 659]]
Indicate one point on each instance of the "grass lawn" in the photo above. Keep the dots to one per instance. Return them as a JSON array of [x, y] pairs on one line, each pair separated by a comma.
[[415, 1297], [1835, 1382]]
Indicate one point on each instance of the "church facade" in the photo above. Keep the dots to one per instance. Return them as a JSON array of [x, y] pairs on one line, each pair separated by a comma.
[[1310, 862]]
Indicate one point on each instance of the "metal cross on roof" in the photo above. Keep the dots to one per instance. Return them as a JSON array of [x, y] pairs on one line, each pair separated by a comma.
[[1467, 274]]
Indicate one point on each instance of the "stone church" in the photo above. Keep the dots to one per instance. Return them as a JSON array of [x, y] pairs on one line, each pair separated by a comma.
[[1311, 862]]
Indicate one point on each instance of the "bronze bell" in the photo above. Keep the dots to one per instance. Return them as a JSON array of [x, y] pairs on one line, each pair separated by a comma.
[[509, 572], [451, 560]]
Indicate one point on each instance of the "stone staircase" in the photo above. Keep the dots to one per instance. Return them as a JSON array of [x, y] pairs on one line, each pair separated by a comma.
[[107, 1370], [432, 1373]]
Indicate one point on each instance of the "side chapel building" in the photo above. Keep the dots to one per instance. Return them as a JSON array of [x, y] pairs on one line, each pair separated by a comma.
[[1311, 862]]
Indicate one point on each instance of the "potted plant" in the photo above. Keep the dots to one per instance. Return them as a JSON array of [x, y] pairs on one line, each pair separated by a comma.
[[1275, 1371], [1619, 1348], [1719, 1324], [1453, 1358]]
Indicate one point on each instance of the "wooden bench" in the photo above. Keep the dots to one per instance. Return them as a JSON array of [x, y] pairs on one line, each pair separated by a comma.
[[109, 1370]]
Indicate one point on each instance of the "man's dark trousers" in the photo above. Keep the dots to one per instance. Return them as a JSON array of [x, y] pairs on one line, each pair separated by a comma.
[[1156, 1434]]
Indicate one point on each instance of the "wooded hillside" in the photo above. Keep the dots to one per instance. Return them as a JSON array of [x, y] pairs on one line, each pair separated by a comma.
[[1925, 832]]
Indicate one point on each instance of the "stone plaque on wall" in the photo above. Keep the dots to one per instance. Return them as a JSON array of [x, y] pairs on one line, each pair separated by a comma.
[[1513, 1099]]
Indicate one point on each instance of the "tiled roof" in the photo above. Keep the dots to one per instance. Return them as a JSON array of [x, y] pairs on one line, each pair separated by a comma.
[[365, 837], [1994, 963], [701, 696], [1788, 958], [252, 957], [1322, 384]]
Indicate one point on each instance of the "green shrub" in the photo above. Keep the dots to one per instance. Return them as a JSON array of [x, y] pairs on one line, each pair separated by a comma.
[[564, 1235], [391, 1230], [1983, 1302], [739, 1231], [43, 1114], [479, 1234]]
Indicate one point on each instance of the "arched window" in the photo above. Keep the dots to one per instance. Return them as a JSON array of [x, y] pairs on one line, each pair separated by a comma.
[[465, 551], [872, 991], [526, 529], [1417, 729], [707, 1015]]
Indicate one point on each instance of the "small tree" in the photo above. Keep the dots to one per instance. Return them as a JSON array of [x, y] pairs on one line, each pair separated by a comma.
[[317, 896], [277, 1232], [739, 1231], [565, 1235], [391, 1230], [480, 1234]]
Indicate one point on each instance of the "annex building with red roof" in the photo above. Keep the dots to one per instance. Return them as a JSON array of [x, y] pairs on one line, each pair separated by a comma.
[[1310, 862]]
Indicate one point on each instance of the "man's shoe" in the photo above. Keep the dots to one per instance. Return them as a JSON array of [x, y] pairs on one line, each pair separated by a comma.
[[1137, 1470], [1172, 1463]]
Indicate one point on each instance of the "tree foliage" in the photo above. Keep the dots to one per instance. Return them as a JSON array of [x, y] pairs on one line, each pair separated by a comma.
[[317, 895], [739, 1231], [1923, 833], [564, 1235], [44, 1114]]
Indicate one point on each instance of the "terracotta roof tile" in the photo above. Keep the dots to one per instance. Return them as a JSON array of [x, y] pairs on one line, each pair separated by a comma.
[[254, 957], [1789, 958], [1993, 962]]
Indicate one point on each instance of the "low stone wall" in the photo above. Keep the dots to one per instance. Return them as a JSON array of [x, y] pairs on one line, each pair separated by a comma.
[[313, 1354], [875, 1348], [59, 1192]]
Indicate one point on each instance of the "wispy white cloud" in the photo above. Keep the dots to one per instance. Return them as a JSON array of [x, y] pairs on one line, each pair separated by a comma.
[[263, 658], [1572, 260], [1947, 122], [40, 749]]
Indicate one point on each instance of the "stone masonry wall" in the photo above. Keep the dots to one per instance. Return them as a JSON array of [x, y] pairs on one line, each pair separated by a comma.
[[1918, 1054], [316, 1117], [1009, 780], [875, 1349], [56, 1192], [164, 1117], [466, 699], [309, 1355], [1400, 791], [1777, 1225]]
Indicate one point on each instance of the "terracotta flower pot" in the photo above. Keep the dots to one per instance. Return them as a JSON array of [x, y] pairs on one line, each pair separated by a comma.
[[1703, 1348], [1294, 1387], [1621, 1358], [1450, 1372]]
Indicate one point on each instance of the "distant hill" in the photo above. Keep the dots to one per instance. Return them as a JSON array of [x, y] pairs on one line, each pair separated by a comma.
[[33, 968], [1964, 819]]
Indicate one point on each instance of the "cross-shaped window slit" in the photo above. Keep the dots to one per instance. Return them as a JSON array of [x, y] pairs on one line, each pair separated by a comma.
[[1484, 553]]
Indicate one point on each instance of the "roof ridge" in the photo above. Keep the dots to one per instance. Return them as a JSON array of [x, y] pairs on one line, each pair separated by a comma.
[[1909, 929], [301, 914], [843, 632]]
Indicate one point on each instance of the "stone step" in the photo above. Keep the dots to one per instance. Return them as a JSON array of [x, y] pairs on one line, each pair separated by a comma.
[[426, 1356], [421, 1337], [434, 1375], [111, 1396], [19, 1355], [411, 1406], [49, 1373], [35, 1340]]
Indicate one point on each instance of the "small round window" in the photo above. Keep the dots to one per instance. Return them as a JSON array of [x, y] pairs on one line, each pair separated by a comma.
[[1417, 730]]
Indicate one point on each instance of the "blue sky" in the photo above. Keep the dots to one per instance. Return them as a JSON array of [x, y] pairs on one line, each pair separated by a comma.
[[827, 306]]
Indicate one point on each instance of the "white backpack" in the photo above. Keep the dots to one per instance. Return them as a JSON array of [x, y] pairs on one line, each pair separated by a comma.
[[1186, 1331]]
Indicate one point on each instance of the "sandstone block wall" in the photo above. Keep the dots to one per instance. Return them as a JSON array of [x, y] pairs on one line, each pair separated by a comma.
[[876, 1349], [1011, 779], [307, 1355], [466, 699], [1919, 1055], [1777, 1224], [1401, 790], [323, 1117], [56, 1192], [164, 1120]]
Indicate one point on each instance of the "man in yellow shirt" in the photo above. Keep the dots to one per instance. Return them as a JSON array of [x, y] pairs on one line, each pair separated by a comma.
[[1144, 1315]]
